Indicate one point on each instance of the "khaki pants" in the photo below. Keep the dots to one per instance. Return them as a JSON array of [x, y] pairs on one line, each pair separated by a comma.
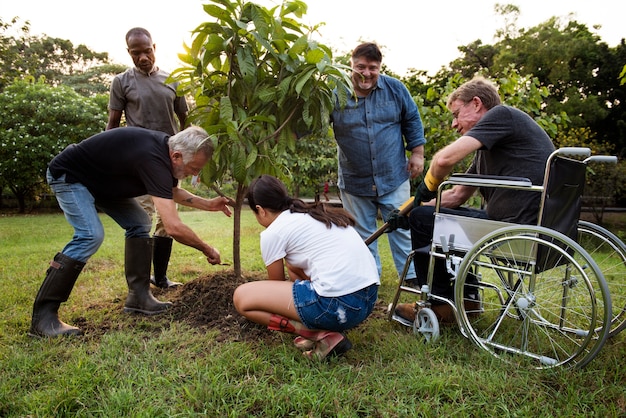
[[148, 205]]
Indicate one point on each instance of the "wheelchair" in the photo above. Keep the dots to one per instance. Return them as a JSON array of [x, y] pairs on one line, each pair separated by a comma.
[[544, 297]]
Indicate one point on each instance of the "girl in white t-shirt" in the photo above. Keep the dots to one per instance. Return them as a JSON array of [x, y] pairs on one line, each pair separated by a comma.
[[332, 280]]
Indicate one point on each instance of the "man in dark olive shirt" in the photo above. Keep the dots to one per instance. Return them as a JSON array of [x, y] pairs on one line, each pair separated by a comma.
[[106, 172], [145, 98]]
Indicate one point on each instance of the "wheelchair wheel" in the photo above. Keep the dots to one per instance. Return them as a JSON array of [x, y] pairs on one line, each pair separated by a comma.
[[427, 325], [538, 298], [609, 253]]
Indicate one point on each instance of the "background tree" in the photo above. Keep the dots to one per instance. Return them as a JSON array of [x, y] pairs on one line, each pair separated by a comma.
[[312, 161], [93, 81], [605, 183], [37, 121], [259, 82], [568, 58], [579, 69], [57, 60]]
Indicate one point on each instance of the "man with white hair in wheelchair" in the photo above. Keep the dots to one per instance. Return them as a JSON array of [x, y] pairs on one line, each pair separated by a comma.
[[506, 142]]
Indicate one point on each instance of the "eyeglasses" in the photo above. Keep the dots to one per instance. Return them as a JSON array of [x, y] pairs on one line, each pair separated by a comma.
[[455, 114]]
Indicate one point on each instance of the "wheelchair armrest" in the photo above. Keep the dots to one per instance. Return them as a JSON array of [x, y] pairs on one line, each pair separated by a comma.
[[488, 180]]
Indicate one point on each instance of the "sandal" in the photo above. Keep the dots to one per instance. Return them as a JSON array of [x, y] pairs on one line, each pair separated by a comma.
[[303, 343], [334, 350]]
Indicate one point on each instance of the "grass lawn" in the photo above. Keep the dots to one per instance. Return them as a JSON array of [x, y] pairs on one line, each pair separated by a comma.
[[164, 366]]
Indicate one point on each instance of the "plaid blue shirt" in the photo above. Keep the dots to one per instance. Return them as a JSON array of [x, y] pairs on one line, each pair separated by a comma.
[[371, 133]]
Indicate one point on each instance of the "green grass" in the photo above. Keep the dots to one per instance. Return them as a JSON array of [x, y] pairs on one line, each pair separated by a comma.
[[142, 370]]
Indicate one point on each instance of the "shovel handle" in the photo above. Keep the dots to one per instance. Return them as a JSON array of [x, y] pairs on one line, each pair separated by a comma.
[[404, 210]]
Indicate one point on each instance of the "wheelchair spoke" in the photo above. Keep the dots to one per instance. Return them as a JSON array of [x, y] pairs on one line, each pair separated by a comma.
[[538, 299], [609, 253]]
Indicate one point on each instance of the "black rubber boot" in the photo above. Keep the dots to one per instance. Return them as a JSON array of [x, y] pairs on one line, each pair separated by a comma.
[[137, 260], [160, 259], [55, 289]]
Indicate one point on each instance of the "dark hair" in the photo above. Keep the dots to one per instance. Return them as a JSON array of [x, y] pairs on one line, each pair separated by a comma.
[[137, 31], [369, 50], [272, 195]]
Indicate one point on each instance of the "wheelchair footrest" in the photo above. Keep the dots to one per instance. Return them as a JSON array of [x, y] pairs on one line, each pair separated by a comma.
[[401, 320]]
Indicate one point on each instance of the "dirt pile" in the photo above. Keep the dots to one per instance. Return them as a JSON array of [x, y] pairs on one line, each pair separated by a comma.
[[207, 302], [204, 303]]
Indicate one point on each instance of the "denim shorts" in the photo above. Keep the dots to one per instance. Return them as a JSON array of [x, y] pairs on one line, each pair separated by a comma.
[[333, 313]]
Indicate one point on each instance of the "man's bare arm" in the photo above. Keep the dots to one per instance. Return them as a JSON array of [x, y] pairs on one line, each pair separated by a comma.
[[175, 228], [216, 204]]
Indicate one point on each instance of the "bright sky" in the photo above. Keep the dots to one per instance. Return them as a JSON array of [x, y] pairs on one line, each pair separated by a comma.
[[412, 33]]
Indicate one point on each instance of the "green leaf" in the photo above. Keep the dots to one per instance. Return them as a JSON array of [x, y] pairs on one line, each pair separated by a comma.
[[251, 158], [246, 63], [239, 164], [266, 94], [226, 108], [217, 12], [299, 47], [302, 79], [315, 56]]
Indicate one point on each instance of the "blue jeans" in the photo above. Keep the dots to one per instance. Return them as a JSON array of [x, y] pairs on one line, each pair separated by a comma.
[[365, 210], [339, 313], [81, 211]]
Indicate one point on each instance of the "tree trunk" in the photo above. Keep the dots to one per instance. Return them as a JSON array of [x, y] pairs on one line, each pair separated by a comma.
[[241, 193], [21, 202]]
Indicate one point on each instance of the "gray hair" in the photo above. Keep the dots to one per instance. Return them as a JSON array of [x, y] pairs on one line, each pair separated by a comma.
[[477, 87], [191, 141]]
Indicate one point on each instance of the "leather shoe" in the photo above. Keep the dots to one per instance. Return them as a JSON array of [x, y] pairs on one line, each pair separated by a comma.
[[406, 311], [472, 307], [443, 311]]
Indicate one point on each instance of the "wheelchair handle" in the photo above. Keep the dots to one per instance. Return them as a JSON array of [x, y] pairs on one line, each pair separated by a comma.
[[574, 151], [609, 159]]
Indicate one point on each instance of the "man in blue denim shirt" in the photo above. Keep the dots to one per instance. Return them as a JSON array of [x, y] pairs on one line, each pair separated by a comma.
[[373, 133]]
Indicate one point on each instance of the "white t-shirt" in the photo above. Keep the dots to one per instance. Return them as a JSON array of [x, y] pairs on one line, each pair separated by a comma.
[[336, 259]]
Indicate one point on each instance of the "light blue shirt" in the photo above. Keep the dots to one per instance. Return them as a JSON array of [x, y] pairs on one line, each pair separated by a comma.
[[371, 133]]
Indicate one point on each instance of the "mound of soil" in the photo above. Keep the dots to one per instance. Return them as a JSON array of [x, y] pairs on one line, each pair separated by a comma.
[[204, 303], [207, 302]]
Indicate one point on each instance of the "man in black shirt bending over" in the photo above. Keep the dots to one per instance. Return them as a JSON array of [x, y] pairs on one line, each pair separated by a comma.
[[106, 172]]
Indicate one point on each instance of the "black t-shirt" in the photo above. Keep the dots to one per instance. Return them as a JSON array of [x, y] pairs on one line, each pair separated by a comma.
[[513, 145], [119, 163]]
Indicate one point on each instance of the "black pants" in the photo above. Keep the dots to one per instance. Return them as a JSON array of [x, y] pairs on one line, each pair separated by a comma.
[[422, 222]]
